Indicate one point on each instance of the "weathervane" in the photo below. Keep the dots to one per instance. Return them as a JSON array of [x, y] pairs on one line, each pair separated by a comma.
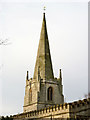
[[44, 8]]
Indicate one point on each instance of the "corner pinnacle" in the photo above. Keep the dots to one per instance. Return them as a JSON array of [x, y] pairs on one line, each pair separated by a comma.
[[27, 77], [60, 74]]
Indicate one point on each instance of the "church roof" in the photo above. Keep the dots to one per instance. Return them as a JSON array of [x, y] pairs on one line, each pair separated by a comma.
[[43, 60]]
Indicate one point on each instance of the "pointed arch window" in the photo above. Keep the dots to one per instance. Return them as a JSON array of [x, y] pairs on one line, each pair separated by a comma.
[[50, 94]]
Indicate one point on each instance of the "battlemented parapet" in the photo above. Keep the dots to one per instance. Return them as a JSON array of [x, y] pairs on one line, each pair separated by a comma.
[[80, 108], [73, 110]]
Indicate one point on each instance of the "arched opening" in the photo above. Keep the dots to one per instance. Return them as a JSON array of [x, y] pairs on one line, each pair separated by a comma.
[[49, 93]]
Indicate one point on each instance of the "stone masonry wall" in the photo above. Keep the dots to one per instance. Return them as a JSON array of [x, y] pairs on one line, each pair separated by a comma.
[[73, 110]]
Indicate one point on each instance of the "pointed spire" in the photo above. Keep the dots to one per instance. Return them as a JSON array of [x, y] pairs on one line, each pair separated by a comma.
[[43, 55], [27, 77], [60, 74]]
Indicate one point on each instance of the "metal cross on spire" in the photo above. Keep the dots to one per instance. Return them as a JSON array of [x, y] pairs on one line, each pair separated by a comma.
[[44, 8]]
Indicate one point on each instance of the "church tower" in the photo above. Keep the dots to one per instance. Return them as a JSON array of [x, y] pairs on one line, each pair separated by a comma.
[[43, 89]]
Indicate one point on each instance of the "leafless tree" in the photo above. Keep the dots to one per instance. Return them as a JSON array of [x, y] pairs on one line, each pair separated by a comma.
[[4, 42]]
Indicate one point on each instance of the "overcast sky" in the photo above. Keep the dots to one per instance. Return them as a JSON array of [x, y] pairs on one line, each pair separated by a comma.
[[67, 26]]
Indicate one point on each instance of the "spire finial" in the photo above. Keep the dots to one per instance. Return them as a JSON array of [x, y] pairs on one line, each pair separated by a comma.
[[44, 8]]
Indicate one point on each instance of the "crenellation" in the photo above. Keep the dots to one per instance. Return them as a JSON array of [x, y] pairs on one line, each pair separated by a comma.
[[32, 113], [48, 110], [85, 100], [79, 101], [41, 111], [54, 108], [65, 104], [73, 105], [78, 105], [64, 110], [83, 103], [58, 107], [51, 108], [44, 110], [61, 106], [35, 112], [27, 115]]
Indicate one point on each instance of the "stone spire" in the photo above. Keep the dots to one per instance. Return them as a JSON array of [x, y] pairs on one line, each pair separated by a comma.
[[43, 60]]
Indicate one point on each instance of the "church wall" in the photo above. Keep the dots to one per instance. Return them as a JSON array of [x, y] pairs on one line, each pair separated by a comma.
[[80, 108], [29, 103], [26, 97], [54, 112], [34, 93], [66, 110], [30, 107]]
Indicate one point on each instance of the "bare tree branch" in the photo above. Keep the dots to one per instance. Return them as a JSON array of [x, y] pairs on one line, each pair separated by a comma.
[[4, 42]]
